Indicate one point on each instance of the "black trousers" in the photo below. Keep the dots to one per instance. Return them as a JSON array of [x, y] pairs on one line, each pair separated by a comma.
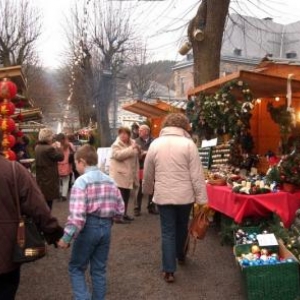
[[9, 283], [125, 195]]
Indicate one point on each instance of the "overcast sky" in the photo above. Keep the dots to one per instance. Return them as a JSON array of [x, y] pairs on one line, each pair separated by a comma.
[[157, 22]]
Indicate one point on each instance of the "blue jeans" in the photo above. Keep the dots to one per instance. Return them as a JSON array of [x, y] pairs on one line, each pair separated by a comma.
[[174, 221], [90, 247]]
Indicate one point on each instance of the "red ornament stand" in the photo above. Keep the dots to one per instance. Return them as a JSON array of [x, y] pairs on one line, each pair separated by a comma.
[[8, 91]]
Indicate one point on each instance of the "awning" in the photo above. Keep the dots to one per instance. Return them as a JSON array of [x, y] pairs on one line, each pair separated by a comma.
[[145, 109], [151, 110], [261, 85], [16, 75]]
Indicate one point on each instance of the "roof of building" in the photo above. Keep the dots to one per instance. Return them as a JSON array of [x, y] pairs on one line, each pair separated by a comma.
[[254, 39], [261, 85], [224, 58]]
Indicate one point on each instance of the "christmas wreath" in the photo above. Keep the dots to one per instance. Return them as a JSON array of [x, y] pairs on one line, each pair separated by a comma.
[[223, 112]]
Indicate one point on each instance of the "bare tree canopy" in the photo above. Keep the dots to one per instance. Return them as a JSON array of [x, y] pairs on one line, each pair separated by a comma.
[[140, 74], [210, 19], [104, 39], [19, 30]]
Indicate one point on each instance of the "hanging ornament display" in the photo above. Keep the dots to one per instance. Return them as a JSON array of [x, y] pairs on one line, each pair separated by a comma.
[[8, 91]]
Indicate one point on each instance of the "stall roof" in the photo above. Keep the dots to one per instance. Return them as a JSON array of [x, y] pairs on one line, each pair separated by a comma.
[[15, 73], [148, 110], [261, 85]]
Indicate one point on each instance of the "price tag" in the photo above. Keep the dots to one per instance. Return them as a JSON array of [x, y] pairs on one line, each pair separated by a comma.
[[268, 239]]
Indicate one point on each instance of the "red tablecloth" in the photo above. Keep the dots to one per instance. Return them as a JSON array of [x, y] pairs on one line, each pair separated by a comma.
[[238, 206]]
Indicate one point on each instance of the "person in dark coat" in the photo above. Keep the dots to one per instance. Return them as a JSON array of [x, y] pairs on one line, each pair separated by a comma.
[[32, 204], [144, 141], [46, 157]]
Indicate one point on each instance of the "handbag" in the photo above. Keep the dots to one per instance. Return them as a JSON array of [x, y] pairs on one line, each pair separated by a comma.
[[30, 244], [197, 229]]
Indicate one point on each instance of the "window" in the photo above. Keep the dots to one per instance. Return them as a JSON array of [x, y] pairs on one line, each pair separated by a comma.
[[291, 54], [237, 51]]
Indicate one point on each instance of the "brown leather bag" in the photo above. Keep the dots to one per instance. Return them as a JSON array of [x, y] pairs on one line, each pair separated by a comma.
[[199, 226], [197, 229]]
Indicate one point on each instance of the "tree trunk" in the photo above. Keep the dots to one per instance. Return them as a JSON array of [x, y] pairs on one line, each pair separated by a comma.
[[103, 100], [211, 18]]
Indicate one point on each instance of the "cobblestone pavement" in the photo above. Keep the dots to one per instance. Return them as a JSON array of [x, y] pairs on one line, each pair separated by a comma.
[[134, 268]]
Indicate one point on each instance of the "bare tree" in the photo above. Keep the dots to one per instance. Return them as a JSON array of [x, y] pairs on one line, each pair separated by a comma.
[[103, 51], [19, 30], [140, 74], [210, 18]]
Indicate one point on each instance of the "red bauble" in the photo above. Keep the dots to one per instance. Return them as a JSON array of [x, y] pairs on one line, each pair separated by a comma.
[[7, 108], [8, 141], [20, 117], [9, 154], [20, 104], [7, 124], [19, 133], [8, 89]]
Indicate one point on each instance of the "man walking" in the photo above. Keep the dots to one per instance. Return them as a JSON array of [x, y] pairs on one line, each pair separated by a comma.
[[144, 140]]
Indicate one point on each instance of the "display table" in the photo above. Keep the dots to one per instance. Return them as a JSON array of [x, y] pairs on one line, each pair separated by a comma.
[[238, 206]]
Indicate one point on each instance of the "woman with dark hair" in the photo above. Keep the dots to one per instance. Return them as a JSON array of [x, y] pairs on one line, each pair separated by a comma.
[[47, 155], [32, 204], [124, 165], [173, 166]]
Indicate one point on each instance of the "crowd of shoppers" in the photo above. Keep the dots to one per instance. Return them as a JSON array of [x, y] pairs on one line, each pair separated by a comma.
[[152, 167]]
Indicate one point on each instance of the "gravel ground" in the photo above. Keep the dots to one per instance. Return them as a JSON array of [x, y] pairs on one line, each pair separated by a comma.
[[134, 268]]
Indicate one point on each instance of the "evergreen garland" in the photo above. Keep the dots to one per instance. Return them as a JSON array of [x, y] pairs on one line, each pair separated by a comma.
[[222, 112]]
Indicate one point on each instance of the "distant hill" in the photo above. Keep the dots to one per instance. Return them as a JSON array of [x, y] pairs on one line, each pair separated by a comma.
[[164, 72]]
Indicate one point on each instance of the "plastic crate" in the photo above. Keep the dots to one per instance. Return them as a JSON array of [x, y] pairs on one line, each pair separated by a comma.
[[273, 282]]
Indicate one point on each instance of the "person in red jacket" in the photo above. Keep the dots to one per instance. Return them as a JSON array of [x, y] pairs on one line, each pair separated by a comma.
[[33, 204]]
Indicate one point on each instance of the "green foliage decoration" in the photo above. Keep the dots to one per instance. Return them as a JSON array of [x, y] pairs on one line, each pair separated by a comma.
[[226, 111]]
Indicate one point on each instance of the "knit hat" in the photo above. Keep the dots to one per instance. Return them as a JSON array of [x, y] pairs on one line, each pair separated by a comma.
[[45, 135]]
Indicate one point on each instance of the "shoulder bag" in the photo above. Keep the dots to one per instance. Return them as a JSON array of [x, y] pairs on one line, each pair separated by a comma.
[[30, 244], [197, 228]]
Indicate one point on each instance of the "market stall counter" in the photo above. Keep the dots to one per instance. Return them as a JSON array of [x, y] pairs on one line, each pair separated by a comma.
[[239, 206]]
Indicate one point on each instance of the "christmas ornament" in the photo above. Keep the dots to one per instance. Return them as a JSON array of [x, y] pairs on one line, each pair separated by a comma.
[[8, 141], [7, 125], [7, 108], [255, 249], [8, 89], [9, 154]]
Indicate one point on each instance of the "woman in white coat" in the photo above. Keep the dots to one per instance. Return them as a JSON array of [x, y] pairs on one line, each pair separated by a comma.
[[173, 170], [124, 165]]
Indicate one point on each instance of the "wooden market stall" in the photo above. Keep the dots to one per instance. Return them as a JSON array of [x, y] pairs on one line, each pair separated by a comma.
[[267, 83], [154, 111]]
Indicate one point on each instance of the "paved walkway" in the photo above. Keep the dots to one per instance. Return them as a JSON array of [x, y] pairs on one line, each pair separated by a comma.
[[134, 268]]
